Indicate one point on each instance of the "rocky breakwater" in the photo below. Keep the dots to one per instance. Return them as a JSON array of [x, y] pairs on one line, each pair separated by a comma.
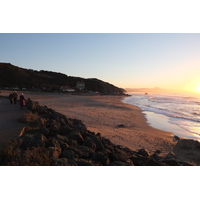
[[50, 138]]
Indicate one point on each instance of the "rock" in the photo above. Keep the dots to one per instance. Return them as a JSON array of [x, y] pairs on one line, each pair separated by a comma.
[[120, 155], [53, 123], [187, 150], [62, 138], [54, 151], [40, 122], [119, 163], [83, 162], [170, 155], [176, 138], [152, 162], [99, 135], [76, 136], [69, 154], [64, 146], [41, 110], [88, 134], [55, 115], [60, 162], [157, 152], [31, 105], [29, 141], [68, 122], [53, 147], [187, 144], [101, 156], [44, 131], [61, 121], [53, 131], [97, 142], [90, 143], [121, 126], [185, 164], [65, 129], [155, 157], [144, 152], [138, 160], [82, 151], [171, 162], [107, 144], [79, 126]]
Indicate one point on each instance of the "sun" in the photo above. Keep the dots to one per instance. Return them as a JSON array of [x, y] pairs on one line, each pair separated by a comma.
[[198, 87]]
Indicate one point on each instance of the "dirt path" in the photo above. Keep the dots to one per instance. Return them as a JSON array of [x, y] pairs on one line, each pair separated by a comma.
[[9, 125]]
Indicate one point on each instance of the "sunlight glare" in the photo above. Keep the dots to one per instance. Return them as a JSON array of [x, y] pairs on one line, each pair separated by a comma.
[[198, 87]]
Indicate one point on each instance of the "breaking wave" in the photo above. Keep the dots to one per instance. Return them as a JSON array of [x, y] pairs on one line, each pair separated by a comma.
[[183, 110]]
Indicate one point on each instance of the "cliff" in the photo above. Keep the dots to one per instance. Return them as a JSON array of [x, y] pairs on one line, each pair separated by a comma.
[[12, 76]]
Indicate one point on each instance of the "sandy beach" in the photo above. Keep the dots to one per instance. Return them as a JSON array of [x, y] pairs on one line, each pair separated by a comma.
[[103, 114]]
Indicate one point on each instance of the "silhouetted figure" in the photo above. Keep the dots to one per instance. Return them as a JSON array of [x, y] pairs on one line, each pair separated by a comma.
[[22, 101], [15, 97], [11, 96]]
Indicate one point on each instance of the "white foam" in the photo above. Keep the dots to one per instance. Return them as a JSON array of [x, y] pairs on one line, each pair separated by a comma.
[[181, 110]]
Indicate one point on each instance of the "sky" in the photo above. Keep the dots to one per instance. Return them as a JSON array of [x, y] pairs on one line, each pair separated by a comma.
[[127, 60]]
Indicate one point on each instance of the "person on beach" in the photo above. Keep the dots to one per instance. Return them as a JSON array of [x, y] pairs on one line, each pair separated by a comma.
[[11, 96], [22, 101], [15, 97]]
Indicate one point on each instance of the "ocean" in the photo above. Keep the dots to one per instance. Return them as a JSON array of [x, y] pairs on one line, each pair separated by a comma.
[[178, 113]]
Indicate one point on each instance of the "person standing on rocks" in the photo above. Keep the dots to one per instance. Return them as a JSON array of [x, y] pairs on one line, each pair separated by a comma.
[[22, 101], [15, 97], [11, 96]]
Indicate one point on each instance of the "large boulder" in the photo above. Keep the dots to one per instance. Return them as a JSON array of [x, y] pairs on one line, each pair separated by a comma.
[[187, 144], [101, 156], [84, 162], [75, 135], [188, 150], [90, 143], [53, 147], [82, 151], [32, 140], [69, 154]]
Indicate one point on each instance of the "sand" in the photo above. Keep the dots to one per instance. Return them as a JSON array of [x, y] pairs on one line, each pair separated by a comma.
[[103, 114]]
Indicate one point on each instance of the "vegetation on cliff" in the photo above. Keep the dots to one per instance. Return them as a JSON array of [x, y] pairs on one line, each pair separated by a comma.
[[12, 76]]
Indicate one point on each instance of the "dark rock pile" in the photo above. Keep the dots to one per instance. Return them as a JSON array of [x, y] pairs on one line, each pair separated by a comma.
[[187, 149], [53, 139]]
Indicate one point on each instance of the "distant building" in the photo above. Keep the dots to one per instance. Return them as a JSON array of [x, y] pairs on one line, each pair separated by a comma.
[[80, 85], [66, 89]]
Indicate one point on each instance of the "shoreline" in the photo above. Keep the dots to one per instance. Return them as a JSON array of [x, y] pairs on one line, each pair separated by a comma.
[[167, 122], [103, 114], [167, 126]]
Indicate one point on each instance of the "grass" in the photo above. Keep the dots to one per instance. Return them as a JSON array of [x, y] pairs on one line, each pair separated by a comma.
[[28, 117]]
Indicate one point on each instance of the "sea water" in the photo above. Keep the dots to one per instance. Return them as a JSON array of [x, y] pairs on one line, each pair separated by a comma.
[[178, 113]]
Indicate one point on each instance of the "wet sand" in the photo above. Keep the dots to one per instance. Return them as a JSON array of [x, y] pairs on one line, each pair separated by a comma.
[[103, 114]]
